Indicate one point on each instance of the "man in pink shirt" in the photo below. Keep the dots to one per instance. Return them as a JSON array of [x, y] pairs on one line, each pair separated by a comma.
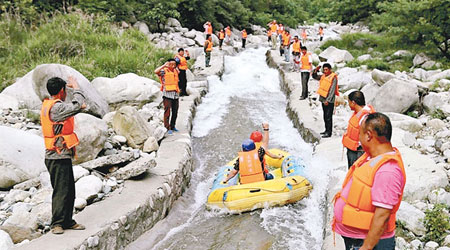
[[364, 210]]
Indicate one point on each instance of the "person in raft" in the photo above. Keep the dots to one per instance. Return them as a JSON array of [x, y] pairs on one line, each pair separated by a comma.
[[249, 160]]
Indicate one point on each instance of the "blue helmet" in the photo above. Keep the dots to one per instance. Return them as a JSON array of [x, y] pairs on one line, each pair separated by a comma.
[[248, 145]]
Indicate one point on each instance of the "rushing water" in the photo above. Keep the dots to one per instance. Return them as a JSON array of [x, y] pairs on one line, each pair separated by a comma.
[[248, 94]]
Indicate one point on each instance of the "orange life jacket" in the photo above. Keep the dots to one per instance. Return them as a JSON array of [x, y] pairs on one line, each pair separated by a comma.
[[280, 29], [358, 211], [304, 59], [286, 39], [221, 35], [321, 32], [70, 139], [244, 34], [296, 47], [350, 139], [170, 82], [208, 45], [250, 167], [325, 85], [209, 29], [228, 31], [273, 28], [269, 33], [183, 62], [304, 34]]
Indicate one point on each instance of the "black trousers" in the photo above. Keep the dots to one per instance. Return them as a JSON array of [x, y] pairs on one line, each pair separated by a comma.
[[328, 117], [352, 156], [220, 43], [182, 82], [243, 43], [63, 198], [305, 79], [170, 106]]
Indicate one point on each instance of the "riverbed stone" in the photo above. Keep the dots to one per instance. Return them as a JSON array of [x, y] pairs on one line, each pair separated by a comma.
[[442, 75], [129, 123], [404, 122], [432, 101], [412, 217], [150, 145], [350, 78], [79, 172], [396, 96], [80, 203], [92, 133], [43, 213], [23, 91], [6, 242], [335, 55], [109, 160], [431, 245], [439, 196], [8, 102], [381, 77], [436, 124], [135, 168], [21, 156], [88, 187]]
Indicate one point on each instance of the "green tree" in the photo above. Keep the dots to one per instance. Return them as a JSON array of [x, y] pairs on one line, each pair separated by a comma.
[[352, 11], [424, 22]]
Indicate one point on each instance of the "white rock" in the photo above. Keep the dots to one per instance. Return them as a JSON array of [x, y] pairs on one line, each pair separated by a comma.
[[364, 57], [127, 89], [439, 76], [436, 124], [199, 39], [401, 243], [44, 178], [416, 244], [22, 219], [446, 241], [396, 96], [370, 91], [92, 133], [419, 59], [353, 79], [191, 34], [43, 213], [381, 77], [431, 245], [42, 195], [404, 122], [142, 27], [403, 53], [159, 132], [21, 156], [120, 139], [439, 196], [409, 139], [443, 248], [8, 102], [129, 123], [20, 207], [428, 64], [93, 241], [412, 217], [172, 22], [88, 187], [79, 172], [6, 242], [80, 203], [432, 101], [23, 91], [16, 195], [135, 168], [150, 145], [332, 54]]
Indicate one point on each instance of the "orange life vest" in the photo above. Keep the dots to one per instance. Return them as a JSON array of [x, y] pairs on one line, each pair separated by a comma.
[[70, 139], [209, 29], [228, 31], [208, 45], [221, 35], [244, 34], [250, 169], [350, 139], [286, 39], [296, 47], [273, 28], [358, 211], [321, 32], [325, 85], [304, 34], [304, 59], [269, 33], [280, 29], [183, 62], [170, 82]]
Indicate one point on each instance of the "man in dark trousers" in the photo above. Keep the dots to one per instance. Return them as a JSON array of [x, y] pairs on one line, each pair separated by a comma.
[[350, 140], [57, 120], [181, 60], [328, 89], [168, 76]]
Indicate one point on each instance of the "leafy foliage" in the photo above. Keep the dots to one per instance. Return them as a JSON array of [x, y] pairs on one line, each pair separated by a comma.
[[437, 223]]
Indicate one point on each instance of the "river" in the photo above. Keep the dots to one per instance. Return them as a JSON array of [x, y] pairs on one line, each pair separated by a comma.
[[248, 94]]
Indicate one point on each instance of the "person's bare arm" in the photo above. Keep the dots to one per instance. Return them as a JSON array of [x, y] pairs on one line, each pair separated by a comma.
[[158, 70], [232, 173], [379, 224], [265, 139]]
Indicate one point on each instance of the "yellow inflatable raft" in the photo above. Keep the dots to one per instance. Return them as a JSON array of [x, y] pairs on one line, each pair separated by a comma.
[[288, 186]]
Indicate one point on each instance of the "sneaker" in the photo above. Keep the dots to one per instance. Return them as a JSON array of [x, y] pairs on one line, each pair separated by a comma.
[[77, 227], [57, 229], [175, 130], [326, 135], [170, 132]]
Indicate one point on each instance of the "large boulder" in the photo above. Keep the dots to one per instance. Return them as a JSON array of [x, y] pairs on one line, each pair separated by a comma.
[[95, 103], [88, 187], [419, 59], [403, 53], [350, 78], [142, 27], [370, 91], [129, 123], [8, 102], [412, 218], [172, 22], [127, 89], [381, 77], [6, 242], [92, 133], [396, 96], [335, 55], [23, 91], [432, 101], [135, 168], [199, 39], [439, 76], [404, 122], [21, 156]]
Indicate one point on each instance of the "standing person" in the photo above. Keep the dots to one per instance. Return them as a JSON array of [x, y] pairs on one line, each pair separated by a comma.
[[304, 37], [365, 208], [321, 33], [273, 28], [286, 45], [168, 76], [181, 61], [244, 37], [221, 37], [228, 35], [328, 89], [305, 68], [57, 119], [269, 35], [207, 48], [280, 32], [296, 45], [350, 140], [208, 28]]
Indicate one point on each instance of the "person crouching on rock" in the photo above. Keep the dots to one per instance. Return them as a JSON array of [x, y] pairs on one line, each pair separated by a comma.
[[168, 76], [57, 119]]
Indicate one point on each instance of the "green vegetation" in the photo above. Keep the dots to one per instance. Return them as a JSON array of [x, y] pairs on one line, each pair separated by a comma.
[[437, 223], [90, 45], [438, 114]]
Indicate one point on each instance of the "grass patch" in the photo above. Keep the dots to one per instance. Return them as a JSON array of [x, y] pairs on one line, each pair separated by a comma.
[[91, 45]]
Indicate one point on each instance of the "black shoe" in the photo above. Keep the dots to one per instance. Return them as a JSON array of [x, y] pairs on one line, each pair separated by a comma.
[[326, 135], [302, 98]]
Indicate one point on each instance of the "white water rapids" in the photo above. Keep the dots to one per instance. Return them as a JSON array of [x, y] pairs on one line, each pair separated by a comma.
[[248, 94]]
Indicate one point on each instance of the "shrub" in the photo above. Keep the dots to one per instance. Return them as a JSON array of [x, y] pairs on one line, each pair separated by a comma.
[[438, 114], [377, 64], [436, 223]]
